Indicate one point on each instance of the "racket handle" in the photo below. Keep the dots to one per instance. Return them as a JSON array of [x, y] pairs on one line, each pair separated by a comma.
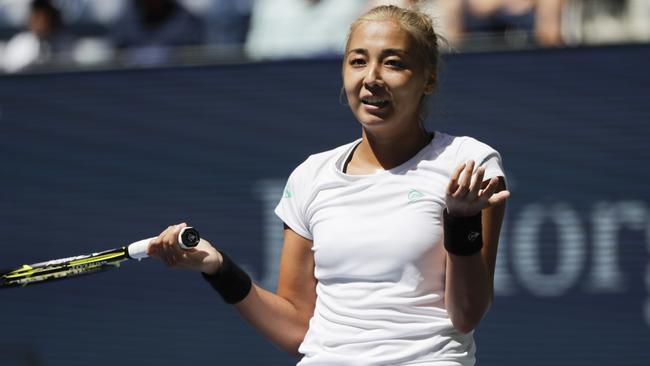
[[187, 238]]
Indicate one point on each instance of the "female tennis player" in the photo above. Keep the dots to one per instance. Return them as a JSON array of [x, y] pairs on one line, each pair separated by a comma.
[[390, 241]]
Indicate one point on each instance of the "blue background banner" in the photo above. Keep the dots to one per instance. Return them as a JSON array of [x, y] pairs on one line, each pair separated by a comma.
[[95, 160]]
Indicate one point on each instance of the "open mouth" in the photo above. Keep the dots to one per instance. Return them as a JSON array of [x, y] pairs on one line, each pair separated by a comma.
[[376, 102]]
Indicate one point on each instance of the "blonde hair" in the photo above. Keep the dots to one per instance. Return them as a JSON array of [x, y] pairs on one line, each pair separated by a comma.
[[417, 24]]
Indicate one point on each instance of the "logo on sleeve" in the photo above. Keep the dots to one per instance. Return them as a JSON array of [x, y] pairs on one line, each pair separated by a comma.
[[472, 236], [287, 192]]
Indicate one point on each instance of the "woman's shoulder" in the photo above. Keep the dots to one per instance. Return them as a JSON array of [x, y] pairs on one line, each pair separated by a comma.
[[332, 154], [453, 150], [323, 161], [462, 145]]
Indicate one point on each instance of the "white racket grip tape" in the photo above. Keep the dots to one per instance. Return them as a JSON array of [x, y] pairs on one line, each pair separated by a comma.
[[138, 250]]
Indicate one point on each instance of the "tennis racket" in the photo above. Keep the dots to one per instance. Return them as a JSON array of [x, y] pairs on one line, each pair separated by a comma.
[[59, 269]]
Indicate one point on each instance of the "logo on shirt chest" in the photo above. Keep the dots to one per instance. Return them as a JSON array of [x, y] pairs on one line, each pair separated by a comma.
[[415, 195]]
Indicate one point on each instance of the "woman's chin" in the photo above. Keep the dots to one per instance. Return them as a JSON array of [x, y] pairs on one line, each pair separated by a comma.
[[377, 123], [373, 120], [374, 124]]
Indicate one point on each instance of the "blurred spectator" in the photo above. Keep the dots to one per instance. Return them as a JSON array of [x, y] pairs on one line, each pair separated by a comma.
[[147, 30], [300, 28], [153, 28], [229, 21], [607, 21], [520, 21], [44, 41], [401, 3]]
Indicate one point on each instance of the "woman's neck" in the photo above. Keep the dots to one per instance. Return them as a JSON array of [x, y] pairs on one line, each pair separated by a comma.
[[382, 152]]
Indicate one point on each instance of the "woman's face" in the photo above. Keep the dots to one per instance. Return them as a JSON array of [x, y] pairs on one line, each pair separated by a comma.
[[384, 79]]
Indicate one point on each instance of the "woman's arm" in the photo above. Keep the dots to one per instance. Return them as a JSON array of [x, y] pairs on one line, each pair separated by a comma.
[[470, 279], [548, 22], [282, 317]]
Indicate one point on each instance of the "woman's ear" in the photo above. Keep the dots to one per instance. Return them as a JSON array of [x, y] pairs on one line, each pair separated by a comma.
[[430, 83]]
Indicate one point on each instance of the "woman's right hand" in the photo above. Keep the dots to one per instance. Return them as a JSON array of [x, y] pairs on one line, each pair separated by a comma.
[[202, 258]]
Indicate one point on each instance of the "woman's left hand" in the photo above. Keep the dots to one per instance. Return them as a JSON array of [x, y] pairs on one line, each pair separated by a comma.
[[465, 196]]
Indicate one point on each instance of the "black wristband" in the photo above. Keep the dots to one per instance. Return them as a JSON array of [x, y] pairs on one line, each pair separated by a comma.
[[463, 235], [230, 281]]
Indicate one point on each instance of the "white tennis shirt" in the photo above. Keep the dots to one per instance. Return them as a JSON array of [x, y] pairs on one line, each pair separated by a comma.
[[379, 257]]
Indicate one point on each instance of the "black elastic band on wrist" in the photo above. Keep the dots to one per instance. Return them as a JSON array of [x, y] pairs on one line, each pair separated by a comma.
[[230, 281], [463, 235]]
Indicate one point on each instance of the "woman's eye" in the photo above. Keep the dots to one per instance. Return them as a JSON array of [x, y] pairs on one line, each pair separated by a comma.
[[395, 63], [357, 61]]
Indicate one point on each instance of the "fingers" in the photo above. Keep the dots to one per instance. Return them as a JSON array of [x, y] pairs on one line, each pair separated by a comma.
[[170, 236], [165, 246], [155, 245], [475, 188], [452, 187], [459, 187], [465, 180], [498, 198], [464, 194], [489, 190], [488, 195]]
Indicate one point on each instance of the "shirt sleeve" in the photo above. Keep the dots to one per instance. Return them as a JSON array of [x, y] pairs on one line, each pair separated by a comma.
[[291, 208], [484, 155]]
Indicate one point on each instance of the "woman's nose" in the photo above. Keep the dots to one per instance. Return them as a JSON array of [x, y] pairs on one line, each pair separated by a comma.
[[372, 78]]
